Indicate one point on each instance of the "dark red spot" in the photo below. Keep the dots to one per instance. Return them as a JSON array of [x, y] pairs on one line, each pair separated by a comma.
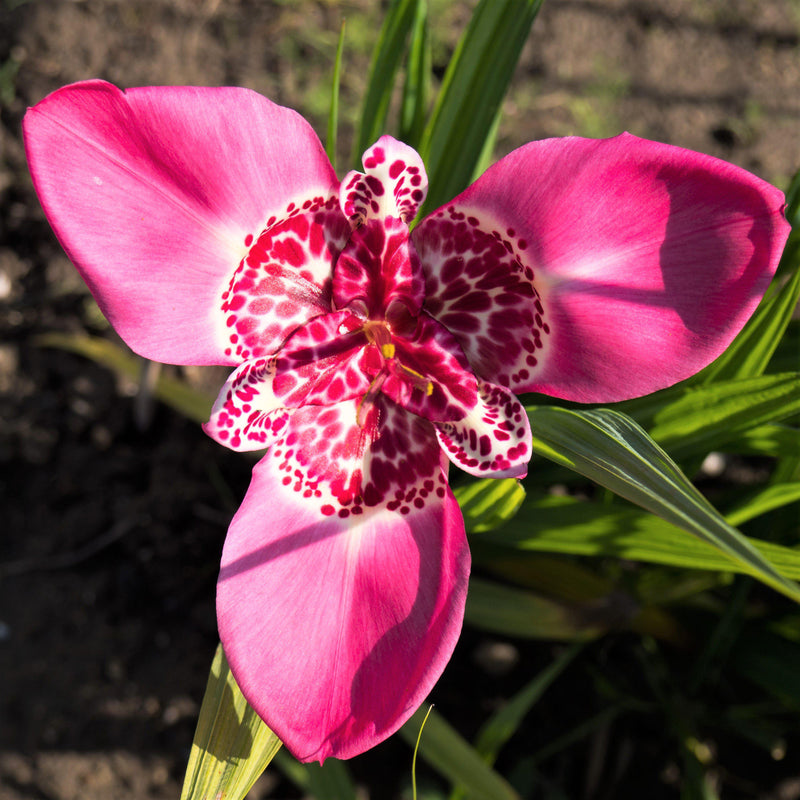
[[396, 168]]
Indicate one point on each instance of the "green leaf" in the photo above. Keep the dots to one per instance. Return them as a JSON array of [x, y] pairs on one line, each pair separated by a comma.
[[510, 611], [473, 89], [486, 504], [493, 736], [721, 638], [770, 440], [576, 527], [416, 89], [691, 420], [175, 393], [767, 499], [612, 450], [770, 661], [232, 744], [785, 358], [453, 757], [589, 595], [791, 253], [386, 60], [330, 781], [333, 117]]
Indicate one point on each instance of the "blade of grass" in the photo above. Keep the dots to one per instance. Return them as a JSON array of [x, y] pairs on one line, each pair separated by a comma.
[[416, 89], [333, 116], [175, 393], [510, 611], [574, 527], [452, 756], [387, 57], [751, 351], [791, 253], [486, 504], [493, 736], [472, 92], [691, 420], [773, 440], [496, 732]]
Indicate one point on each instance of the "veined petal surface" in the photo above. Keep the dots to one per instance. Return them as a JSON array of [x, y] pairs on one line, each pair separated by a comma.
[[344, 574], [629, 265], [157, 193]]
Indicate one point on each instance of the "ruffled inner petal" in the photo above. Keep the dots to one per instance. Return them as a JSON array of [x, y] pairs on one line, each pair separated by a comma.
[[493, 440], [432, 378], [379, 266], [394, 184], [321, 364]]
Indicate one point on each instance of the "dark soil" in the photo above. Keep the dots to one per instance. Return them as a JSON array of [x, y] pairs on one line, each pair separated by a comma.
[[112, 527]]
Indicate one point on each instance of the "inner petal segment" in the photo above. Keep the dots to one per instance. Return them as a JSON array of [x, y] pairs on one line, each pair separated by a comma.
[[285, 278], [378, 267], [321, 364], [493, 440], [393, 184], [481, 285]]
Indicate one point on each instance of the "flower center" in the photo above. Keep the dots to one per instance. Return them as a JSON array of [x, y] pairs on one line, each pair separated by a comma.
[[382, 358]]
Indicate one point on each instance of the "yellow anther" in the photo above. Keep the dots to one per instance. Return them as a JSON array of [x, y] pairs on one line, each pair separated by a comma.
[[417, 381], [387, 350]]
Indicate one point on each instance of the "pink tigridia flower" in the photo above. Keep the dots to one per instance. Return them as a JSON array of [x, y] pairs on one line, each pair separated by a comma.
[[211, 229]]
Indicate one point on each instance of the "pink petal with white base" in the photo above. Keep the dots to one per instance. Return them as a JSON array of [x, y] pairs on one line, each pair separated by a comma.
[[493, 440], [343, 579], [157, 193], [629, 265]]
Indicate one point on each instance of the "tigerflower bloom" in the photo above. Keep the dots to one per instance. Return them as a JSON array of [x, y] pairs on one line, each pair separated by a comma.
[[212, 229]]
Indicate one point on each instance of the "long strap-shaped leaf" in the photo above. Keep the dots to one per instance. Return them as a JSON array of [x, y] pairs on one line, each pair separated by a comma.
[[390, 49], [473, 89], [416, 89], [451, 755], [612, 450], [232, 744], [708, 417], [578, 527]]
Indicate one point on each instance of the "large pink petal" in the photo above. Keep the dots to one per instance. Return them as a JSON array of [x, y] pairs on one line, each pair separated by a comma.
[[341, 594], [157, 193], [600, 270]]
